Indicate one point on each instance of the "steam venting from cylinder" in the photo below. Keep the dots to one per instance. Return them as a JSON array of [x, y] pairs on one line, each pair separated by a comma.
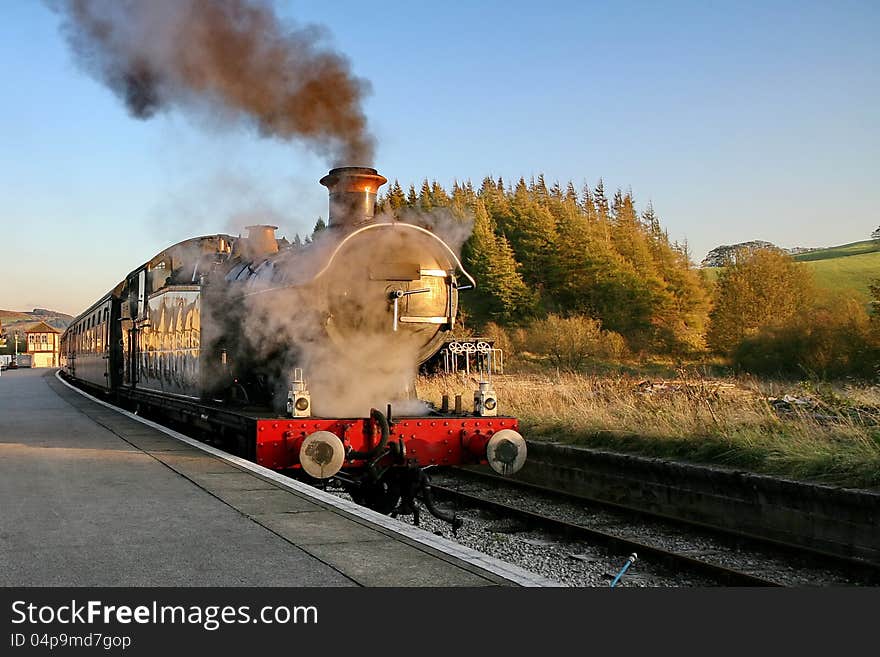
[[352, 195], [231, 58]]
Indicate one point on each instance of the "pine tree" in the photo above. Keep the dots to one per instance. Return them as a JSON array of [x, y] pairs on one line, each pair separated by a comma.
[[576, 252], [539, 189], [396, 197], [463, 197], [649, 218], [600, 201], [426, 199], [531, 230], [680, 313], [627, 235], [501, 294], [439, 197], [588, 206], [319, 226]]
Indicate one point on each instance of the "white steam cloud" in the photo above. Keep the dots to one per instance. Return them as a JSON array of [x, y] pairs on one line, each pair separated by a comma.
[[325, 308]]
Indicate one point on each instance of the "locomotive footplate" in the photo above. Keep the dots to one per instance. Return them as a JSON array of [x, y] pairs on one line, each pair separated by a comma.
[[381, 463], [426, 441]]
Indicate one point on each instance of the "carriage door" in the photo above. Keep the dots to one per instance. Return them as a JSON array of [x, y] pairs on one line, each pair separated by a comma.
[[132, 308]]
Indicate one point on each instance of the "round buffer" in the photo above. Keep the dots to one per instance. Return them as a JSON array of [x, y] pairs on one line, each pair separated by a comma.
[[322, 454], [506, 452]]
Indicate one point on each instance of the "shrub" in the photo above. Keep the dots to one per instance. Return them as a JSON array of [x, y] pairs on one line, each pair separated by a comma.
[[569, 342], [833, 339], [757, 293], [496, 333]]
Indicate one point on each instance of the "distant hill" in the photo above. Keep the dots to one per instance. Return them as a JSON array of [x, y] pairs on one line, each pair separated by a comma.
[[17, 322], [842, 251], [13, 315], [845, 269]]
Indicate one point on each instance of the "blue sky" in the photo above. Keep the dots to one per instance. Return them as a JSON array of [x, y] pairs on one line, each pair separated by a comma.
[[737, 120]]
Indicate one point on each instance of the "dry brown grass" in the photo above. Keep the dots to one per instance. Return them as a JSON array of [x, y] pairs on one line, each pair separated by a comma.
[[718, 421]]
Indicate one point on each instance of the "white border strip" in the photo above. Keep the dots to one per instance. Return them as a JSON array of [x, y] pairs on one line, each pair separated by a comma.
[[503, 569]]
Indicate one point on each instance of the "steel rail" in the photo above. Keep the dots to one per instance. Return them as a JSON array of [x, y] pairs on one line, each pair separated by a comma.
[[675, 560]]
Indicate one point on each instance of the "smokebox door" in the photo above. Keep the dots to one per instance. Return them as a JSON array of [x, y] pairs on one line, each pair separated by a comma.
[[395, 271]]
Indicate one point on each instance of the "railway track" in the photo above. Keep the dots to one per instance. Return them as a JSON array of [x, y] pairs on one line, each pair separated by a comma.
[[673, 560], [868, 571], [771, 552]]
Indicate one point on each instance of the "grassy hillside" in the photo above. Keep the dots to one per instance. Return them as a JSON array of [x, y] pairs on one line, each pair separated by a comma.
[[11, 316], [845, 269], [842, 251], [13, 320], [850, 275]]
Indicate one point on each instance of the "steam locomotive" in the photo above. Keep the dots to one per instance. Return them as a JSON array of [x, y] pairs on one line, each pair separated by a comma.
[[301, 358]]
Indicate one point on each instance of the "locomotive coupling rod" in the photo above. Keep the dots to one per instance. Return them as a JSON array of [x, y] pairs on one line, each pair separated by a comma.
[[629, 562], [396, 295]]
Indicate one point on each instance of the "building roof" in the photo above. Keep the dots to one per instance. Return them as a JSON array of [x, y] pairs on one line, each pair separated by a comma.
[[42, 327]]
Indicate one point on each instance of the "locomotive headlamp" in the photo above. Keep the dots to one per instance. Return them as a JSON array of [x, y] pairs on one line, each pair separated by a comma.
[[299, 401], [299, 404], [485, 401]]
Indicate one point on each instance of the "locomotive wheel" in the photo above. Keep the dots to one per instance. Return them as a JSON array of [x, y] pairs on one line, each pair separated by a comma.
[[379, 497]]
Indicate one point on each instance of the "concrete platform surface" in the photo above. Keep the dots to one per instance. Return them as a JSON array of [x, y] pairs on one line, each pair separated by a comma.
[[92, 497]]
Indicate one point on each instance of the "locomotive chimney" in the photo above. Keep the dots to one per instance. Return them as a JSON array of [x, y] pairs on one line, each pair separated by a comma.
[[352, 195], [261, 240]]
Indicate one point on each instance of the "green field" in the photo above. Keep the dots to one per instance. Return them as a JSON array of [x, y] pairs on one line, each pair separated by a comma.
[[845, 269], [842, 251]]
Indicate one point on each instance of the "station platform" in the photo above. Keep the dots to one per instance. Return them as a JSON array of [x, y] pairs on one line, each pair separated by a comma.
[[94, 496]]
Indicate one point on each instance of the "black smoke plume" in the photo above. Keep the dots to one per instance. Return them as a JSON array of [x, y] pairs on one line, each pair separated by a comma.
[[233, 57]]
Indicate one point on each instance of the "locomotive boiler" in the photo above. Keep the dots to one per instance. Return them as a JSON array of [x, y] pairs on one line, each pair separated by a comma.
[[300, 357]]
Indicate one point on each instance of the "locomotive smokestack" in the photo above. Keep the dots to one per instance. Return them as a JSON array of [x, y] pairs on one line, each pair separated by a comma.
[[352, 195], [261, 240]]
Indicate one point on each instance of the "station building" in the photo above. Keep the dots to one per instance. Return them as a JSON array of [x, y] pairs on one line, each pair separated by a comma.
[[43, 345]]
